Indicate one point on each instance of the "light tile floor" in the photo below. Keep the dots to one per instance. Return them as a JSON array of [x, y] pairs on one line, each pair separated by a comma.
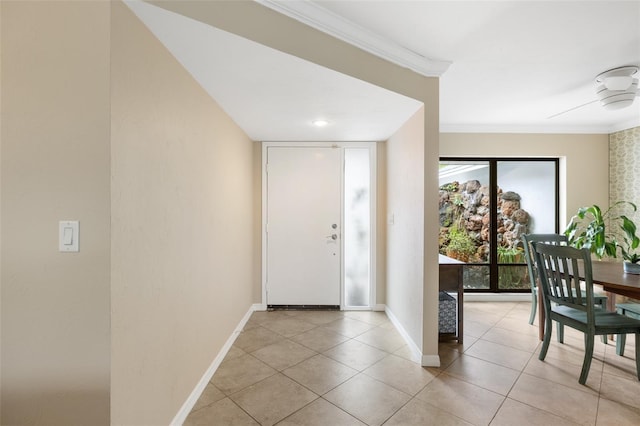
[[353, 368]]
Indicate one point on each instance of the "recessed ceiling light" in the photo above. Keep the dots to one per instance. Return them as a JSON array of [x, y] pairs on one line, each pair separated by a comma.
[[320, 123]]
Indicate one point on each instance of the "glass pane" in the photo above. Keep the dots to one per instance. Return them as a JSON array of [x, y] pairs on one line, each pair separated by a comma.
[[357, 226], [476, 277], [526, 199], [514, 277], [464, 211], [526, 204]]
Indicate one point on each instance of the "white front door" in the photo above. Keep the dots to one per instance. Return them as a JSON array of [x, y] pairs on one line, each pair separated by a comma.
[[303, 214]]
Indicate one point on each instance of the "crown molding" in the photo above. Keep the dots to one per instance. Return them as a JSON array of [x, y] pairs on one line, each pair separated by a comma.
[[316, 16], [594, 129], [526, 128]]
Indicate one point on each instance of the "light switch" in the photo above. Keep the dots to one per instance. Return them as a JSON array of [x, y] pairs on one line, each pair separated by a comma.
[[69, 235]]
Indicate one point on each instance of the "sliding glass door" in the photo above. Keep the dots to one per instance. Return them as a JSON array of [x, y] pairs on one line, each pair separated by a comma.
[[465, 225], [485, 207]]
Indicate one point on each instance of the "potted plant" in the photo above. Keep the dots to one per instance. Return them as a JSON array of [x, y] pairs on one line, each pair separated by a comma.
[[629, 245], [589, 229]]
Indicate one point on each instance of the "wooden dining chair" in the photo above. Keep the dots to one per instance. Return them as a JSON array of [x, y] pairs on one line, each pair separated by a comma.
[[631, 310], [568, 303], [557, 239]]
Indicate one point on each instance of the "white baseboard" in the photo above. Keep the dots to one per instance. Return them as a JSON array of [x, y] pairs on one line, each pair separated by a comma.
[[497, 297], [204, 380], [416, 352], [430, 361], [379, 307], [259, 307]]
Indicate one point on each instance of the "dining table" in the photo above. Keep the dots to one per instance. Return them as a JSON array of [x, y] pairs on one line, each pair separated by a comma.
[[611, 276]]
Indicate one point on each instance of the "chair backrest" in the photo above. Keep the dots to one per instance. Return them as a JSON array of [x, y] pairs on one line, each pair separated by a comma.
[[529, 254], [561, 269]]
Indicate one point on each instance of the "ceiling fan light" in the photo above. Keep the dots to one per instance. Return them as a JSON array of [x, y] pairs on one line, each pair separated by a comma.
[[618, 104], [618, 82], [617, 99]]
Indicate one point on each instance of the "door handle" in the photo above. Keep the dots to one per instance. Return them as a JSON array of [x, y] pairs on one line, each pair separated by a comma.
[[333, 236]]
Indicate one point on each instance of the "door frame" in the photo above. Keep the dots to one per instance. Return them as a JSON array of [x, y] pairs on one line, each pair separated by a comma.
[[372, 147]]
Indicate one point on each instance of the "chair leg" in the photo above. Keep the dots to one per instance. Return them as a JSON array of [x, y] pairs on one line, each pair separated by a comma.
[[588, 354], [560, 329], [547, 338], [534, 307], [638, 355], [603, 305], [620, 342]]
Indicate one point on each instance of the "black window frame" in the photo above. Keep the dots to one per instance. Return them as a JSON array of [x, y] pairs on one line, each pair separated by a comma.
[[493, 238]]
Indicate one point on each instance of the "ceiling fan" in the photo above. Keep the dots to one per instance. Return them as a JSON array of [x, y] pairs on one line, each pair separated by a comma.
[[615, 89]]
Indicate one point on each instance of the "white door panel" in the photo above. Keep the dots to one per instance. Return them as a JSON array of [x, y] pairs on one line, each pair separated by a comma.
[[303, 225]]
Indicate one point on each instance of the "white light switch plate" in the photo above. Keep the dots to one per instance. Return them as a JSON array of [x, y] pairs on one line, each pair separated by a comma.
[[69, 236], [391, 219]]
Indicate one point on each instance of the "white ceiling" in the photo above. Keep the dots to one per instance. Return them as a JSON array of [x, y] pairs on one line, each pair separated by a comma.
[[508, 66]]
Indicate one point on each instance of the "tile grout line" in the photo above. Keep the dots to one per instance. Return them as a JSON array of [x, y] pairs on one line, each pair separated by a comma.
[[453, 353]]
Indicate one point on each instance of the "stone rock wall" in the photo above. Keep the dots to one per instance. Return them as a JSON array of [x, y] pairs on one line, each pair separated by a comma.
[[465, 220]]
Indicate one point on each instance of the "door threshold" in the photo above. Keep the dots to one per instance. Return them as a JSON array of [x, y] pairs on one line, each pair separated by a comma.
[[303, 307]]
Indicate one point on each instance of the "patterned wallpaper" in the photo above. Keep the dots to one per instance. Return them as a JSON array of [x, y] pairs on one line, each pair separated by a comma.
[[624, 173], [624, 167]]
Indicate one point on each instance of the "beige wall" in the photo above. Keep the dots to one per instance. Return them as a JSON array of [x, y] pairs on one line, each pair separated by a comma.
[[255, 22], [584, 167], [412, 164], [55, 166], [182, 227], [405, 248], [181, 199], [257, 223], [431, 223]]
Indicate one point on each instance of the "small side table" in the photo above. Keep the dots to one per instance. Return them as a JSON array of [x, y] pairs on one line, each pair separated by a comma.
[[451, 283]]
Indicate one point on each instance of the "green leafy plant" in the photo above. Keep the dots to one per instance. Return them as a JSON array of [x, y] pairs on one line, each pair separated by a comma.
[[588, 229], [510, 254], [511, 277], [450, 187], [457, 200], [460, 245], [630, 241]]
